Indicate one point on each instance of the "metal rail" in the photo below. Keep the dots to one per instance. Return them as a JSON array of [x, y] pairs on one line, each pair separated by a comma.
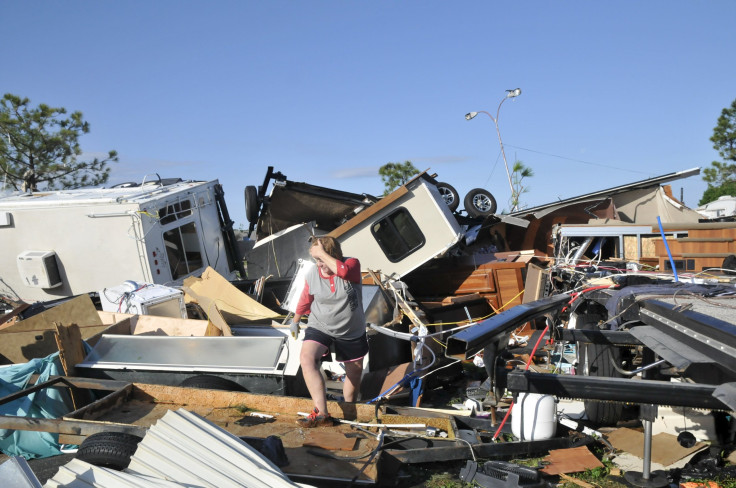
[[621, 390]]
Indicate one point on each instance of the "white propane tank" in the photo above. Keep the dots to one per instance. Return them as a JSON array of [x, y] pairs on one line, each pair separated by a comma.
[[539, 416]]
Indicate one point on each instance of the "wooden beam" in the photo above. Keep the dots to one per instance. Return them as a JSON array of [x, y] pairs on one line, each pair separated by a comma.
[[67, 426]]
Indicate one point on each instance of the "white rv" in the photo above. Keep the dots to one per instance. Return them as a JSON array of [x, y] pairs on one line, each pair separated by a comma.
[[57, 244], [724, 206]]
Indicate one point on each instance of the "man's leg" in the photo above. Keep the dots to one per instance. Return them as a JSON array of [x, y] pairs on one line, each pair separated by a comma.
[[310, 361], [353, 375]]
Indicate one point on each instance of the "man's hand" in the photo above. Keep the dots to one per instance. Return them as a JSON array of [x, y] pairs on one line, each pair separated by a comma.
[[294, 329]]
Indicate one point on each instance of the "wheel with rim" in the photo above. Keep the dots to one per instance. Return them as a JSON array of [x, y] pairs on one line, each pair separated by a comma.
[[108, 449], [480, 203], [449, 195], [210, 382], [251, 203]]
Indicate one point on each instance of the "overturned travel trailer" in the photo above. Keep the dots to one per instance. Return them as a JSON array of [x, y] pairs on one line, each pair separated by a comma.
[[395, 234], [63, 243]]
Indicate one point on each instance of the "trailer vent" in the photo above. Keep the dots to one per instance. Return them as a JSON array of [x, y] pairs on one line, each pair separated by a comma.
[[39, 269]]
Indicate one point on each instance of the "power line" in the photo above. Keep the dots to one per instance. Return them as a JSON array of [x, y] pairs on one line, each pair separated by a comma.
[[579, 160]]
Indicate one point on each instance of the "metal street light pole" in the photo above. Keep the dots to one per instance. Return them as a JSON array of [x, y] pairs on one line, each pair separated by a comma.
[[509, 94]]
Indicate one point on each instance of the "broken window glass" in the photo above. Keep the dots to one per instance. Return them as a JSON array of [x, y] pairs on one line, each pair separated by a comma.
[[183, 250]]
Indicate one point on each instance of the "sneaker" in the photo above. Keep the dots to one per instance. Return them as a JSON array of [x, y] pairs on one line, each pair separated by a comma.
[[316, 420]]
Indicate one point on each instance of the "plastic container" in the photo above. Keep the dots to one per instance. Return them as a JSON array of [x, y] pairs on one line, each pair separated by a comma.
[[537, 413]]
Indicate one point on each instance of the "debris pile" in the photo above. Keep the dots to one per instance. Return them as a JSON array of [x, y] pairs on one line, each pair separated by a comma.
[[594, 333]]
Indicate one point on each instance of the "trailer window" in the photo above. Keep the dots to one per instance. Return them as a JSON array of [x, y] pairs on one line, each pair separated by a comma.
[[175, 211], [398, 235], [183, 250]]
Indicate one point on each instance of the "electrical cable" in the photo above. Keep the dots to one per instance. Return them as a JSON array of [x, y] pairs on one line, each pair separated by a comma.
[[528, 363]]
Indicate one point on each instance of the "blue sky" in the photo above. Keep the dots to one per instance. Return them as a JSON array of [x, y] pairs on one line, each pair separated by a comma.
[[328, 91]]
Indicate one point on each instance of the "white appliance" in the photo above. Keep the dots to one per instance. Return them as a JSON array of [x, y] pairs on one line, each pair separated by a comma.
[[144, 299]]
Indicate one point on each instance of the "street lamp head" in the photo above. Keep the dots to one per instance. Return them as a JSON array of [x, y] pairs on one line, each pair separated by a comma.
[[513, 93], [470, 115]]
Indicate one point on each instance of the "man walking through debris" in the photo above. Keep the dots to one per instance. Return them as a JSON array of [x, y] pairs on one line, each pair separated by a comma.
[[333, 299]]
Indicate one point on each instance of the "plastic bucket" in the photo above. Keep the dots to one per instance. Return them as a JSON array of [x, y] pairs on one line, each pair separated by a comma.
[[536, 414]]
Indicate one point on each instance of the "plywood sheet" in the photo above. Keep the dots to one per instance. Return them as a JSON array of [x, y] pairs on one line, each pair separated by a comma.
[[573, 460], [335, 441], [34, 337], [79, 310]]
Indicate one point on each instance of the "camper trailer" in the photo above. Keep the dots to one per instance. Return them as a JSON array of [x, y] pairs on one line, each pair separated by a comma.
[[394, 234], [403, 231], [64, 243]]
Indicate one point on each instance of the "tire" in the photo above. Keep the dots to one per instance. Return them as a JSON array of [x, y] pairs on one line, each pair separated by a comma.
[[449, 195], [251, 204], [479, 203], [108, 449], [729, 265], [597, 360], [209, 382]]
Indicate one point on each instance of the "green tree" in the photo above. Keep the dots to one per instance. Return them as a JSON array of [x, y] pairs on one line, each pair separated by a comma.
[[394, 175], [39, 148], [721, 176], [518, 173]]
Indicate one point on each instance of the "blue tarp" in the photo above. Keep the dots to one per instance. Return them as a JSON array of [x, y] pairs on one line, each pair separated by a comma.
[[49, 403]]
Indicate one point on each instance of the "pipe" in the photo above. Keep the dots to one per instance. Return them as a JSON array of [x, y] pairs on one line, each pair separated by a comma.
[[667, 247]]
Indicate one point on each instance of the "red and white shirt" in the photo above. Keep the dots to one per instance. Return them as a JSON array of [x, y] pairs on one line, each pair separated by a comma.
[[334, 303]]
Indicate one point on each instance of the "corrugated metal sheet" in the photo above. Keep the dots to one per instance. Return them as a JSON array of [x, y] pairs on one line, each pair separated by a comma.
[[16, 473], [181, 450], [186, 448], [78, 474]]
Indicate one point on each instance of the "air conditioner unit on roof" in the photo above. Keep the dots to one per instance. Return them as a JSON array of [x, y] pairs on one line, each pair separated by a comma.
[[39, 269]]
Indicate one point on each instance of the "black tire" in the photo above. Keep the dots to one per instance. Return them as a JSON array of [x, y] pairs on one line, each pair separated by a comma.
[[479, 203], [209, 382], [108, 449], [597, 360], [729, 265], [251, 204], [449, 195]]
